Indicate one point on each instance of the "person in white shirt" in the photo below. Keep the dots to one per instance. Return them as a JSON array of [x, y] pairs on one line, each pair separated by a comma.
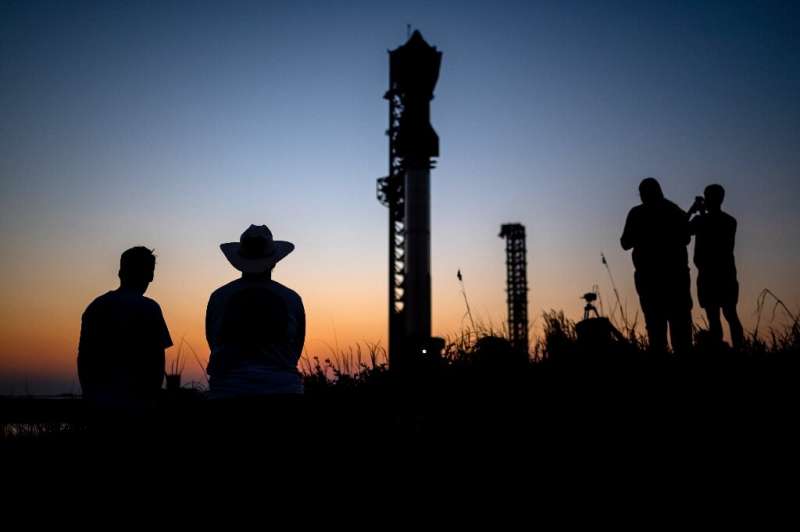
[[255, 326]]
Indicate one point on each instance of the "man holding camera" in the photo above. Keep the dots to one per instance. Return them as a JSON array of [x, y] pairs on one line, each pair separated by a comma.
[[717, 285]]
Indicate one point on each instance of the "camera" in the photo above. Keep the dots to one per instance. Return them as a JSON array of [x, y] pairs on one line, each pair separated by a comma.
[[699, 204]]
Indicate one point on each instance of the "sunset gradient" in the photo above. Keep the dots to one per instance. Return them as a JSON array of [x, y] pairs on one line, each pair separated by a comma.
[[175, 125]]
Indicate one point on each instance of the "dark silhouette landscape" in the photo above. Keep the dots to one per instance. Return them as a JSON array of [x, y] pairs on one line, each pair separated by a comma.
[[649, 385]]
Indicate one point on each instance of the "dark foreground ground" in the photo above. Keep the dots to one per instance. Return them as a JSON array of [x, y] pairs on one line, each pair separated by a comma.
[[725, 400], [707, 420]]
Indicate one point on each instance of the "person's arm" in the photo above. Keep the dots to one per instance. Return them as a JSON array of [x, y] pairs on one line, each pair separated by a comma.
[[685, 234], [158, 357], [694, 222], [86, 353], [693, 215], [154, 373], [301, 330], [209, 321], [210, 334], [629, 239], [732, 235]]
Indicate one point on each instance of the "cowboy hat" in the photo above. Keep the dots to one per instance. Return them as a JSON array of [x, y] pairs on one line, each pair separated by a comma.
[[256, 251]]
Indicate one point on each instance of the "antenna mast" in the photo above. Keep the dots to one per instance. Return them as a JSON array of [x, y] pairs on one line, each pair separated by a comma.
[[516, 285]]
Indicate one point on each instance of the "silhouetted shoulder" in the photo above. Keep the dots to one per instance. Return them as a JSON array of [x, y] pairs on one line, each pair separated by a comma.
[[730, 221], [118, 300], [151, 303], [122, 298], [224, 289], [234, 286], [286, 292], [126, 314], [674, 207], [635, 211], [98, 302]]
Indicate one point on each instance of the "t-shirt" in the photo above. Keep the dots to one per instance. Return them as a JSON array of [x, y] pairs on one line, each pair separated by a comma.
[[658, 234], [715, 236], [121, 350], [256, 331]]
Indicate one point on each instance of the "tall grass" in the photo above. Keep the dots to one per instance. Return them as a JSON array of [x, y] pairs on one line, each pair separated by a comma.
[[364, 363]]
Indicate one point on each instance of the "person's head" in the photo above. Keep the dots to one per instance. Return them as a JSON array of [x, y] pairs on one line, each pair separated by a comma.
[[256, 252], [714, 196], [137, 266], [650, 191]]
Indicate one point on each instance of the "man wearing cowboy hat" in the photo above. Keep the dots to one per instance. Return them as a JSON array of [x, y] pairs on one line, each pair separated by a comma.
[[255, 326]]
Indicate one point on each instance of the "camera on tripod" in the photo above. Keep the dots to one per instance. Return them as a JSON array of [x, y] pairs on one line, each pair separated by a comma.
[[590, 298]]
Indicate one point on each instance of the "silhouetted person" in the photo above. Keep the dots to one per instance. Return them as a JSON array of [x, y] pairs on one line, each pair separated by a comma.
[[123, 338], [658, 232], [717, 286], [255, 326]]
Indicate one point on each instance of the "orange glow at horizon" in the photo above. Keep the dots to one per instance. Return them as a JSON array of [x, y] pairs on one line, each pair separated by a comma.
[[344, 308]]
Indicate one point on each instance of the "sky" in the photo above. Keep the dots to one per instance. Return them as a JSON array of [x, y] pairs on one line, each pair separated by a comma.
[[175, 125]]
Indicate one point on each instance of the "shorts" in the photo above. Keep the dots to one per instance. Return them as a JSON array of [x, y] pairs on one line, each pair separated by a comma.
[[715, 289]]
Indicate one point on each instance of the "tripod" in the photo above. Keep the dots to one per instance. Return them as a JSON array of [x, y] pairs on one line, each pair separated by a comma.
[[590, 298]]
